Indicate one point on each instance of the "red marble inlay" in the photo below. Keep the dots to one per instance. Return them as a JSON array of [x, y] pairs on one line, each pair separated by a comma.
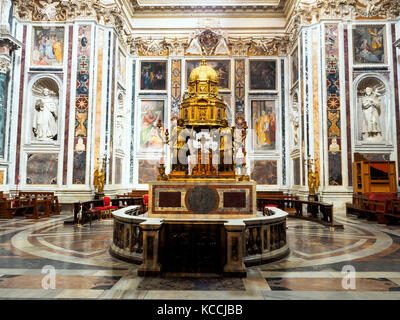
[[234, 200], [67, 106], [21, 103], [348, 119], [170, 199]]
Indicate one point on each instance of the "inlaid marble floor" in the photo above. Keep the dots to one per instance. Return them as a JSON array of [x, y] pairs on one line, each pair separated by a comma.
[[32, 251]]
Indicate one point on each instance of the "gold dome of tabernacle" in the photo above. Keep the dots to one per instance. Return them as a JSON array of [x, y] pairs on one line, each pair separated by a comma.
[[203, 106], [203, 73]]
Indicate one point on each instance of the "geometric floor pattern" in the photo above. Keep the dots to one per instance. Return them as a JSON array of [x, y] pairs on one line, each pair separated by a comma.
[[318, 267]]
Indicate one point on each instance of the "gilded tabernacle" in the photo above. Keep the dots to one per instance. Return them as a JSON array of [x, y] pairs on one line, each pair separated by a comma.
[[202, 143]]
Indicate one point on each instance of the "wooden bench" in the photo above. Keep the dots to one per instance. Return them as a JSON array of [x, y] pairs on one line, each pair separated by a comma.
[[380, 209], [10, 208], [393, 216], [47, 202], [316, 211]]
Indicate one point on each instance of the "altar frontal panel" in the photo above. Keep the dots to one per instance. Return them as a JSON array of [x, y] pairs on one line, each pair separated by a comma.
[[202, 199]]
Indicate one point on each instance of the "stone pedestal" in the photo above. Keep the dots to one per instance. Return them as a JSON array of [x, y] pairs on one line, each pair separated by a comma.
[[151, 232], [235, 248], [99, 196]]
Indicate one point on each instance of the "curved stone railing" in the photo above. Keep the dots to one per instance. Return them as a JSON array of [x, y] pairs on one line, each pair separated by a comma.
[[264, 236], [127, 237]]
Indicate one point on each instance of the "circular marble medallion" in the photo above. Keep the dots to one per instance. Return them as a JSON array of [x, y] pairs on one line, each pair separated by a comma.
[[201, 200]]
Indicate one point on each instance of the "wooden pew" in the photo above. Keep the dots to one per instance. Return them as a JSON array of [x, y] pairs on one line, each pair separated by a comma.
[[46, 201], [393, 216], [17, 207], [373, 209]]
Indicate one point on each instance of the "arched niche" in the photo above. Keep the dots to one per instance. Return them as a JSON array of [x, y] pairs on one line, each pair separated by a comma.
[[120, 121], [44, 105], [294, 118], [373, 114]]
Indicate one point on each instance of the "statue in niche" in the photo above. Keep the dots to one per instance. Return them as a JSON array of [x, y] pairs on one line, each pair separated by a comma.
[[120, 123], [294, 118], [45, 116], [371, 107]]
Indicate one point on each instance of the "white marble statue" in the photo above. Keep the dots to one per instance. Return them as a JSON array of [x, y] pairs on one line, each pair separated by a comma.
[[371, 107], [45, 117]]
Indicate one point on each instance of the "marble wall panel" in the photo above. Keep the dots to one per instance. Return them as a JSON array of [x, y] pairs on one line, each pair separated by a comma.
[[118, 170], [176, 87], [99, 98], [296, 171], [333, 104], [240, 92], [132, 144], [3, 112], [41, 168], [82, 102]]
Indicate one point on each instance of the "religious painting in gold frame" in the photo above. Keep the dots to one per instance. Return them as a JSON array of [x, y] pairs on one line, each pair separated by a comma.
[[263, 125], [263, 75], [151, 112], [47, 47], [222, 67]]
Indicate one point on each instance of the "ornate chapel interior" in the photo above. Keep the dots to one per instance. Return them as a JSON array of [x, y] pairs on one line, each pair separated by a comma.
[[269, 127]]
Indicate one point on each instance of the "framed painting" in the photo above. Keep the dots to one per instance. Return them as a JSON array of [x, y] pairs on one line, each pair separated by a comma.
[[222, 67], [121, 68], [48, 47], [151, 112], [263, 125], [264, 172], [369, 45], [263, 75], [295, 66], [148, 171], [153, 75]]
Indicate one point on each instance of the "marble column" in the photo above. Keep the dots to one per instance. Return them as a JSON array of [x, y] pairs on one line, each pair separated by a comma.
[[235, 248], [4, 69], [151, 232]]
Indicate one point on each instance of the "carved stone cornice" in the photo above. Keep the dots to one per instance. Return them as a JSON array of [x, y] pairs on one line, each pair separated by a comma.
[[5, 64], [353, 9], [147, 47], [7, 40], [239, 46], [176, 46], [269, 46], [235, 46]]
